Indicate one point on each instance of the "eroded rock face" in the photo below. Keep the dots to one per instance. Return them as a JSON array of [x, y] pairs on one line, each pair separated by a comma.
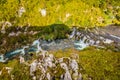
[[50, 67]]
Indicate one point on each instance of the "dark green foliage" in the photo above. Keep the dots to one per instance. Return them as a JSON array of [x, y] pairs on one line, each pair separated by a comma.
[[55, 31], [3, 1]]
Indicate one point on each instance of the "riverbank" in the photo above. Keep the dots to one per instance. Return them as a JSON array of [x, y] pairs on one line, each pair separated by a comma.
[[94, 62], [58, 36]]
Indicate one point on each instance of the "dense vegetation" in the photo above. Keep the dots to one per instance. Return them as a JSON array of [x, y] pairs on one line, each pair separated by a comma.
[[85, 13], [55, 31]]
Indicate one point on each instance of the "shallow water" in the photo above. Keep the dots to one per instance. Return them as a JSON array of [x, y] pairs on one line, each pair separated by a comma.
[[78, 39]]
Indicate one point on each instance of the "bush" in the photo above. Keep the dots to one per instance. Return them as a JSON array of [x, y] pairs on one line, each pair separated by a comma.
[[54, 31]]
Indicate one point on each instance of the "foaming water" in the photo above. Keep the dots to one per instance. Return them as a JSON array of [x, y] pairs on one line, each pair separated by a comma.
[[79, 39], [80, 45]]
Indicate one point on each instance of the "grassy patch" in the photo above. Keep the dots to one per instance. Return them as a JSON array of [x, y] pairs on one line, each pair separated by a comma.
[[70, 12], [95, 63]]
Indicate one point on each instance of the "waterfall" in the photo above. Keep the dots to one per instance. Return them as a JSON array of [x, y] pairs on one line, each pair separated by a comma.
[[2, 58], [73, 33], [79, 39]]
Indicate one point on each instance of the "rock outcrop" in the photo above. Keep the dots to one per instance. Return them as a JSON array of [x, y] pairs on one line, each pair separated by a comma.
[[51, 68]]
